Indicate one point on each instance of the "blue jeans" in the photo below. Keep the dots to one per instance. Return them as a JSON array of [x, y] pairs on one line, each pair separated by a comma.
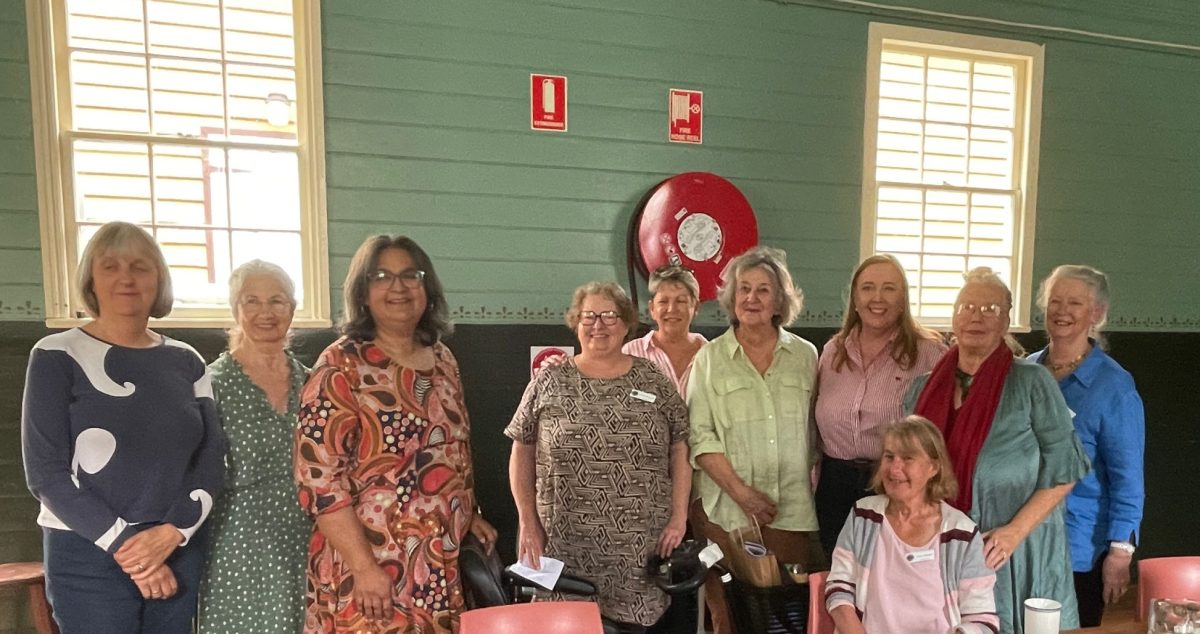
[[91, 594]]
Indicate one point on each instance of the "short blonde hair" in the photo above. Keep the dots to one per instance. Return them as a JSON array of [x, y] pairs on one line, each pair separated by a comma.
[[789, 300], [677, 274], [610, 290], [916, 433], [123, 238]]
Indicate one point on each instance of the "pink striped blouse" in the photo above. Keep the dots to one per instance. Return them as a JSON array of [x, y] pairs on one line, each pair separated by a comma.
[[646, 349], [854, 405]]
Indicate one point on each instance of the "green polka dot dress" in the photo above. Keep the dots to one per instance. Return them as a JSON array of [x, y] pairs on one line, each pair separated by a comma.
[[254, 575]]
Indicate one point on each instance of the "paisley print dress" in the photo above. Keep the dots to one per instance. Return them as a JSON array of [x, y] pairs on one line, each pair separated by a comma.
[[392, 443]]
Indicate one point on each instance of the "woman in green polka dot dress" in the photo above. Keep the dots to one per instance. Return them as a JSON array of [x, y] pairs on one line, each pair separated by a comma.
[[254, 578]]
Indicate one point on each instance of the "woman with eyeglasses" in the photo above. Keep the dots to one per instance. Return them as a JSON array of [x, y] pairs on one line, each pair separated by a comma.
[[254, 572], [750, 395], [674, 298], [1013, 448], [599, 467], [383, 455]]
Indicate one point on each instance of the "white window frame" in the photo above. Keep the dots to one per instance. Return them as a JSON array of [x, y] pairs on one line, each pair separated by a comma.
[[1030, 58], [49, 82]]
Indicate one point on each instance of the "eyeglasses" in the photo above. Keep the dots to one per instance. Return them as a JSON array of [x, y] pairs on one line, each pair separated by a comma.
[[589, 317], [672, 268], [990, 311], [275, 305], [412, 278]]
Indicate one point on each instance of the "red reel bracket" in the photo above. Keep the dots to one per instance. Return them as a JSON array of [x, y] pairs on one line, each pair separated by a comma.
[[698, 220]]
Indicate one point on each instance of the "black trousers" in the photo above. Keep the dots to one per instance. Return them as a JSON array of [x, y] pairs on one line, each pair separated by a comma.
[[843, 482], [1089, 592]]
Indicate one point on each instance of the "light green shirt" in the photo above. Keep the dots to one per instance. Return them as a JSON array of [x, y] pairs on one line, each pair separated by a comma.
[[761, 424]]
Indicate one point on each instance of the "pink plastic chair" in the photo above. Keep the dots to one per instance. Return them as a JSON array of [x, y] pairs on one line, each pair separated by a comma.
[[544, 617], [1167, 578], [819, 621]]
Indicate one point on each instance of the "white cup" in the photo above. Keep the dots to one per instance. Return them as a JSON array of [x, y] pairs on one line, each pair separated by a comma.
[[1041, 616]]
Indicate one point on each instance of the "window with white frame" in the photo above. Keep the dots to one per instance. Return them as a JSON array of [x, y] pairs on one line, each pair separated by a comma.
[[199, 120], [950, 161]]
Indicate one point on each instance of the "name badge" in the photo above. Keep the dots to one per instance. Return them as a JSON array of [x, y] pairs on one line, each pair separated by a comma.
[[917, 556], [643, 396]]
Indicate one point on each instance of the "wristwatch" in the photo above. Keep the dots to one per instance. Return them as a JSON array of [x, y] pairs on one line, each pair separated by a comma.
[[1125, 546]]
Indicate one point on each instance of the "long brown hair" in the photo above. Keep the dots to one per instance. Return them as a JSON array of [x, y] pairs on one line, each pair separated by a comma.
[[910, 333]]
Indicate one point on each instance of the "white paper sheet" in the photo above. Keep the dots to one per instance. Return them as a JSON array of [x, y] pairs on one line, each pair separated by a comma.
[[546, 576]]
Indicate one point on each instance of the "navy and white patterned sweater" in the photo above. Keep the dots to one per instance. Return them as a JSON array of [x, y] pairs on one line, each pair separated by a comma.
[[114, 436]]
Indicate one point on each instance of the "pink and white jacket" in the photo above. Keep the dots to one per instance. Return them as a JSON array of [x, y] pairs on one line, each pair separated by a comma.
[[966, 579]]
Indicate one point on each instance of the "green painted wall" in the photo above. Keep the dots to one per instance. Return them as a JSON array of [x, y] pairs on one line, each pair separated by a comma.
[[21, 295], [427, 133]]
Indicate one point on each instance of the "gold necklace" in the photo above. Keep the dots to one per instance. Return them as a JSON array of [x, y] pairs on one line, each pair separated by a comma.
[[1068, 366]]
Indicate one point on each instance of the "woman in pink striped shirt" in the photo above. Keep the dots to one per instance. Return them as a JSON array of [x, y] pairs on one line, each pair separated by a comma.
[[674, 298], [863, 374]]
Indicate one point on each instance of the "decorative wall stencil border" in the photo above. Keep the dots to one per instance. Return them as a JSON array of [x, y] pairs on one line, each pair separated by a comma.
[[1172, 323], [710, 315], [26, 309]]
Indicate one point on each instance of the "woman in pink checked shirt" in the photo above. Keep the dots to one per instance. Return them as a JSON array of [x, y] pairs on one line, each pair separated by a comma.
[[864, 372]]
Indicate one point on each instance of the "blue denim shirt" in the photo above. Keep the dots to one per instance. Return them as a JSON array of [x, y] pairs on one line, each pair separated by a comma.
[[1106, 505]]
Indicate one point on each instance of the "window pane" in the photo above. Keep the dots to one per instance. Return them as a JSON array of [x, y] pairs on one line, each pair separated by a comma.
[[259, 32], [257, 95], [184, 193], [265, 190], [106, 25], [185, 29], [108, 92], [112, 182], [188, 98], [199, 264]]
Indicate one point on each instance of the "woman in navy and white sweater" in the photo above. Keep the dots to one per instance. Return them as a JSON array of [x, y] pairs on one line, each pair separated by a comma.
[[123, 448]]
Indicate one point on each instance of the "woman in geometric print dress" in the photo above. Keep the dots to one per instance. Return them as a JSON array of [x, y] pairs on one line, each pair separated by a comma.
[[599, 466], [254, 575], [383, 455]]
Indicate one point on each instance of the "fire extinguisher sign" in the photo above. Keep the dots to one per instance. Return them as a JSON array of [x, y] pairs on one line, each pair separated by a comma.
[[548, 102], [685, 116]]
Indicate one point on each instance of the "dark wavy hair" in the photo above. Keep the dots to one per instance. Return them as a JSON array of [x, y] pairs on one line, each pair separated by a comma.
[[357, 322]]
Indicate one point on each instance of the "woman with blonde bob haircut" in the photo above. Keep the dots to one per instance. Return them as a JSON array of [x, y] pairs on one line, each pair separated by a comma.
[[905, 560], [749, 398], [864, 372], [123, 447], [123, 238]]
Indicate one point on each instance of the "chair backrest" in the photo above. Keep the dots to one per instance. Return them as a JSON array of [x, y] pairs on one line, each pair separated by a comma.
[[544, 617], [483, 586], [1167, 578], [819, 621]]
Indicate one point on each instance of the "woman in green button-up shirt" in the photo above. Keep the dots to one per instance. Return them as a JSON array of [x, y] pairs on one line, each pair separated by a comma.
[[749, 403]]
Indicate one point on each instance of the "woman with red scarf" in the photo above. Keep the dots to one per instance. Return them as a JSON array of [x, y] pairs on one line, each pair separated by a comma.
[[1013, 447]]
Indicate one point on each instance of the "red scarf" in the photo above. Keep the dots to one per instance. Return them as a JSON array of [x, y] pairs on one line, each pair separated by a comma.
[[966, 429]]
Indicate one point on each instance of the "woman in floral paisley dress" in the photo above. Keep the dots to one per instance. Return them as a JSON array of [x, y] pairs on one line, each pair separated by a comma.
[[383, 455]]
